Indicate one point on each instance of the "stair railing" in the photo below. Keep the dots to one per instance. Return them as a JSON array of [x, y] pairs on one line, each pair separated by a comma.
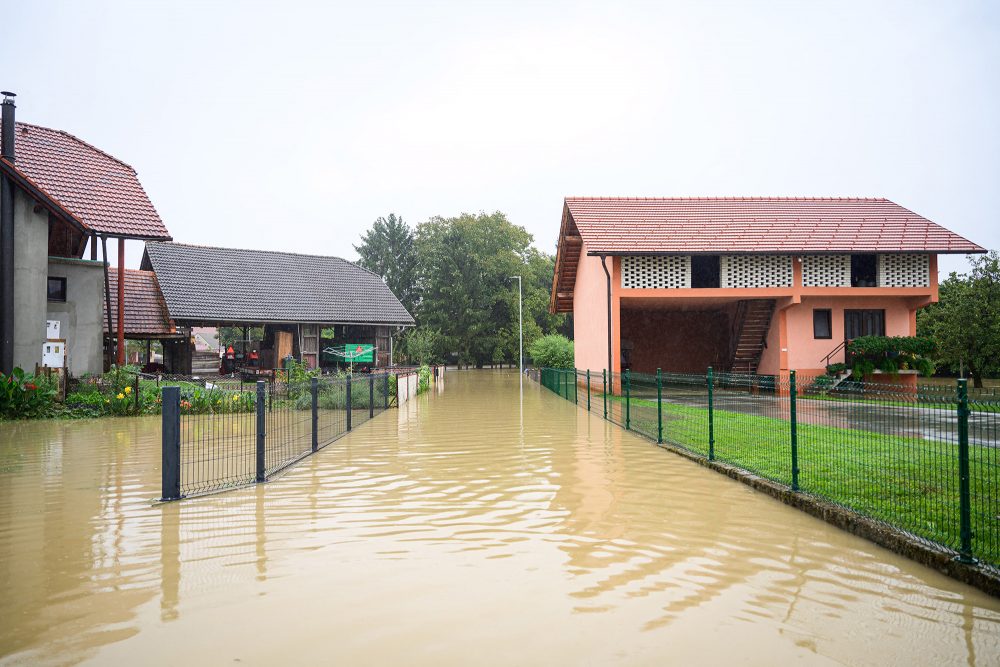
[[835, 351]]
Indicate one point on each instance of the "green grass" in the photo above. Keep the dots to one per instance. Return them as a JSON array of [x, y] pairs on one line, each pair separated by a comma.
[[909, 482]]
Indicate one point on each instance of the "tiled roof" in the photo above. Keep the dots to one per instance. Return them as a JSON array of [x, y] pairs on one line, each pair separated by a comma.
[[99, 190], [145, 309], [209, 284], [619, 225]]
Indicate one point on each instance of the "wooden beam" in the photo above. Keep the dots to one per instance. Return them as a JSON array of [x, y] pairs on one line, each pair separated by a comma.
[[120, 359]]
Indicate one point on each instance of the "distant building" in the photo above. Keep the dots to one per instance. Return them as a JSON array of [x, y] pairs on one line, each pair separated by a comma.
[[60, 194], [293, 297], [750, 285]]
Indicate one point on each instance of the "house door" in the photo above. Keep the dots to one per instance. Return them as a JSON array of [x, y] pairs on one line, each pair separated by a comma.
[[859, 323]]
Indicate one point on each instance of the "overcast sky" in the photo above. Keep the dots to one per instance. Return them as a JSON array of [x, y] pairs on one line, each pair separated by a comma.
[[292, 126]]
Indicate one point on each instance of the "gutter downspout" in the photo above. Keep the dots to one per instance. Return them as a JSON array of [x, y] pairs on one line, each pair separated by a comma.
[[608, 276], [7, 242]]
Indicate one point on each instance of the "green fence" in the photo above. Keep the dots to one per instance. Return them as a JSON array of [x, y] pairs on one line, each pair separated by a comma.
[[923, 459]]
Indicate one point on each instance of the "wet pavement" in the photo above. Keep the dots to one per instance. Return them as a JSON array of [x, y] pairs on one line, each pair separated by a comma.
[[474, 526]]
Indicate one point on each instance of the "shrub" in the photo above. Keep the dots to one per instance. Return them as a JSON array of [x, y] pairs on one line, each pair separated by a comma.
[[423, 379], [890, 354], [25, 396], [552, 351]]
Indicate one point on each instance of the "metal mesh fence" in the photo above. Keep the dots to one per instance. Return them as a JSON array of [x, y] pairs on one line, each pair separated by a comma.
[[923, 459], [230, 433]]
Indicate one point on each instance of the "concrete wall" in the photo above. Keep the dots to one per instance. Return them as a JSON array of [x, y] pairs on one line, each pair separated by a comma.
[[590, 314], [31, 267], [81, 314]]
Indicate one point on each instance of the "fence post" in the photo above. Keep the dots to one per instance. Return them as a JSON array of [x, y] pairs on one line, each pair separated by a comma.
[[385, 391], [659, 405], [171, 443], [314, 390], [371, 396], [575, 385], [793, 418], [628, 399], [588, 390], [261, 422], [604, 374], [347, 401], [711, 417], [964, 491]]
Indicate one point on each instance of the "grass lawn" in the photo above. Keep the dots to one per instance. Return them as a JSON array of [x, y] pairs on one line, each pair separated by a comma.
[[909, 482]]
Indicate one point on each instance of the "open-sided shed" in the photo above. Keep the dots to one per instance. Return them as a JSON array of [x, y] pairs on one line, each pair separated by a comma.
[[292, 296]]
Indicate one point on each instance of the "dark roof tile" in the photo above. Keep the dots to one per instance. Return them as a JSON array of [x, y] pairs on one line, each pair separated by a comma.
[[208, 284]]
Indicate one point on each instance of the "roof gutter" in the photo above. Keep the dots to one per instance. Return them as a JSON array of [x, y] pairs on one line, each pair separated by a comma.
[[844, 251]]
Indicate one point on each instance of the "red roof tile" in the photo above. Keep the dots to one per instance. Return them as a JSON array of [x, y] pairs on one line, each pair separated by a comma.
[[145, 310], [620, 225], [101, 191]]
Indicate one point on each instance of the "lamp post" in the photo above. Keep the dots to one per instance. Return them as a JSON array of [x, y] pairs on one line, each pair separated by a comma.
[[520, 328]]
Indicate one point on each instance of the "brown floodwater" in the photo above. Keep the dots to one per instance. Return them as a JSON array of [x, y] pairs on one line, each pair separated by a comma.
[[472, 526]]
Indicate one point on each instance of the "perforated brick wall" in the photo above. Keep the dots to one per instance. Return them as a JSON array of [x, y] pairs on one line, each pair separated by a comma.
[[826, 271], [756, 271], [656, 272], [903, 270]]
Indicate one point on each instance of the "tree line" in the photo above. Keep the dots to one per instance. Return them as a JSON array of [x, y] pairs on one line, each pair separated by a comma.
[[965, 322], [455, 276]]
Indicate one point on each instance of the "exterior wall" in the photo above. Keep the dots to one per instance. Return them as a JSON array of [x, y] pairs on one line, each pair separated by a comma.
[[676, 341], [806, 353], [31, 266], [81, 314], [590, 313]]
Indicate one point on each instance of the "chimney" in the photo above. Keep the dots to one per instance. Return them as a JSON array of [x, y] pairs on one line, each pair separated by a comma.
[[7, 239], [7, 149]]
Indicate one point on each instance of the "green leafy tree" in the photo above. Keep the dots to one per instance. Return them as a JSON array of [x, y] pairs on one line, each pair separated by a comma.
[[388, 250], [465, 264], [423, 345], [552, 351], [965, 323]]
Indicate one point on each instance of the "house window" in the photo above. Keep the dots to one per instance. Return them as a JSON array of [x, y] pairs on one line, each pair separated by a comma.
[[864, 271], [822, 323], [859, 323], [57, 289], [705, 271]]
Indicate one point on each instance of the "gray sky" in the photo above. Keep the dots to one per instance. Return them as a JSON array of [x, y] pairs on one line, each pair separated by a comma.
[[292, 126]]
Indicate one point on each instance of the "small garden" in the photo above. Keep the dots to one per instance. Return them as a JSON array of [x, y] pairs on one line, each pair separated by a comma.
[[124, 392]]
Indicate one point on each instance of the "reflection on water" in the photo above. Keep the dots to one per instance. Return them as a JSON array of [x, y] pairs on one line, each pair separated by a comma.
[[484, 524]]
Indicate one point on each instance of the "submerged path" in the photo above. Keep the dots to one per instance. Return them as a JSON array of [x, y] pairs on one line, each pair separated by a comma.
[[473, 526]]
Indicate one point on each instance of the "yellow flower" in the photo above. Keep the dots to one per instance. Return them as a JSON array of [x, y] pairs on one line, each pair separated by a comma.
[[128, 390], [236, 397], [120, 396], [107, 400]]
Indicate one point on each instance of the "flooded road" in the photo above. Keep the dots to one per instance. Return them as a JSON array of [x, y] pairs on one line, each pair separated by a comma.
[[470, 527]]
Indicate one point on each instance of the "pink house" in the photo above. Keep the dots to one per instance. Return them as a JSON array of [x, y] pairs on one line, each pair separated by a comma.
[[751, 285]]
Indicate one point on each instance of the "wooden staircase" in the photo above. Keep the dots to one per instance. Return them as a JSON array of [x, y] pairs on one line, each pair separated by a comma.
[[749, 334]]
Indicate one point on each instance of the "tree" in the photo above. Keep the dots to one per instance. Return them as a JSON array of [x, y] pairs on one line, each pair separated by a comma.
[[965, 323], [387, 249], [552, 351], [464, 268], [422, 345]]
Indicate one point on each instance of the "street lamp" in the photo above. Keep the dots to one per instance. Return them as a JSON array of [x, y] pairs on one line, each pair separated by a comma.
[[520, 327]]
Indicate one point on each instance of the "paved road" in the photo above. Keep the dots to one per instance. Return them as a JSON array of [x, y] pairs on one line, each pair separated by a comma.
[[939, 424]]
